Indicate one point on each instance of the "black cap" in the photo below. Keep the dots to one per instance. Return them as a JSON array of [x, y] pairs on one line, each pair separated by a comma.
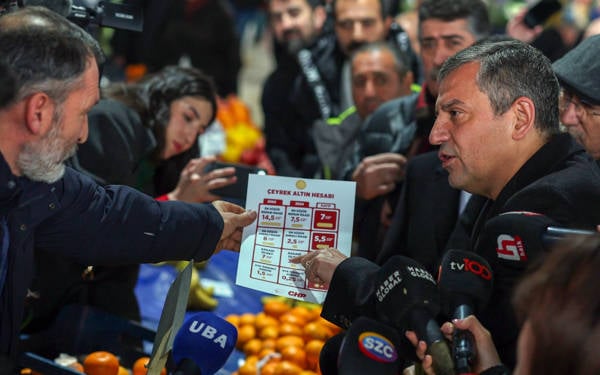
[[579, 69]]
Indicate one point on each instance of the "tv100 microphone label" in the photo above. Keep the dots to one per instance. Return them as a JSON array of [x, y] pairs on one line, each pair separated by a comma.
[[295, 217]]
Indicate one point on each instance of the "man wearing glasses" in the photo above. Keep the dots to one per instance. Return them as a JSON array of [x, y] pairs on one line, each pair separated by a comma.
[[579, 75]]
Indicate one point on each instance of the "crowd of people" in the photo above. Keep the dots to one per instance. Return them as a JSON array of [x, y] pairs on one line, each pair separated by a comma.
[[476, 123]]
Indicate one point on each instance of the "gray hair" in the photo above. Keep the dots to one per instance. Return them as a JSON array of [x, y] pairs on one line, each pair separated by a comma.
[[509, 70]]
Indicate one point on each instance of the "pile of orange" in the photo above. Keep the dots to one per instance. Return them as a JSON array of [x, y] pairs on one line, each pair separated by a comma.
[[282, 339], [245, 143]]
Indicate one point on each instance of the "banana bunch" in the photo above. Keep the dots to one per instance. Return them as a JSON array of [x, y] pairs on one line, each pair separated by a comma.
[[201, 297]]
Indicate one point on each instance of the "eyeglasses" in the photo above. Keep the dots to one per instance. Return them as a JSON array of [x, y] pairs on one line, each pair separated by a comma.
[[581, 105]]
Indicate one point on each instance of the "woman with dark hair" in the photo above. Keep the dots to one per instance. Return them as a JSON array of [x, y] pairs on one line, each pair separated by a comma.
[[144, 135]]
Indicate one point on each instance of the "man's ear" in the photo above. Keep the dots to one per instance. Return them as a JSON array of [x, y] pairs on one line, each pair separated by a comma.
[[39, 111], [387, 22], [319, 17], [524, 112]]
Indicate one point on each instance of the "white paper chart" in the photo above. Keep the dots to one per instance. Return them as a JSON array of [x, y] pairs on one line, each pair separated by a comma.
[[295, 216]]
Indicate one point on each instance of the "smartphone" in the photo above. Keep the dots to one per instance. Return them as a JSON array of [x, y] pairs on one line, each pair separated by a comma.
[[237, 190], [540, 12]]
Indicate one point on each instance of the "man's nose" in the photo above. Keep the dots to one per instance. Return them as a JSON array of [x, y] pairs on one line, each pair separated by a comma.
[[439, 133], [568, 115]]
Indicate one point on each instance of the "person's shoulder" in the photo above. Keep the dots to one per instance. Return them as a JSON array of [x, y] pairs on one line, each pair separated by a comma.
[[402, 107]]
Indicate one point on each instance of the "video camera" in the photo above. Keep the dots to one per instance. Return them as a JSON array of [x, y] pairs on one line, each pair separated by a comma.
[[125, 14]]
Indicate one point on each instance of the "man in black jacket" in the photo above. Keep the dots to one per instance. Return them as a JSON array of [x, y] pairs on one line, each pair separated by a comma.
[[398, 129], [319, 91], [45, 205], [498, 133]]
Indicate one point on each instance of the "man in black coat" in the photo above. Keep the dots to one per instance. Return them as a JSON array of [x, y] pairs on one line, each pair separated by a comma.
[[498, 132]]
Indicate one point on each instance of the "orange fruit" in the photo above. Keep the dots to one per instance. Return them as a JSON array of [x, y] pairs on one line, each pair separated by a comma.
[[294, 354], [285, 341], [308, 372], [249, 366], [316, 331], [276, 308], [233, 319], [77, 366], [245, 333], [101, 363], [265, 352], [263, 320], [292, 318], [252, 347], [334, 328], [303, 312], [268, 368], [239, 109], [139, 367], [123, 371], [288, 329], [268, 343], [247, 318], [313, 351], [269, 332], [287, 368]]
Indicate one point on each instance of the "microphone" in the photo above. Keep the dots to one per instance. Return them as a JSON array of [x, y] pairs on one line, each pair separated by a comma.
[[511, 242], [513, 238], [369, 347], [203, 344], [465, 283], [62, 7], [407, 298], [330, 352]]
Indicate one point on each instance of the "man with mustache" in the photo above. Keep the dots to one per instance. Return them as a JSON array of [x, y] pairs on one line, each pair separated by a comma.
[[379, 73], [398, 129], [319, 90]]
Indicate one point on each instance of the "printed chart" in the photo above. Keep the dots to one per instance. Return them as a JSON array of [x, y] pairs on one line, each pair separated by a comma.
[[295, 216]]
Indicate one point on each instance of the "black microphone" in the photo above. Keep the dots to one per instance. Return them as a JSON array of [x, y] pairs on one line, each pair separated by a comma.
[[465, 282], [407, 298], [203, 344], [510, 240], [62, 7], [330, 351], [369, 347]]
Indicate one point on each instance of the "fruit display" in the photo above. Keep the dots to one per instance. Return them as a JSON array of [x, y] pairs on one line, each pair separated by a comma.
[[284, 339], [245, 143], [99, 363]]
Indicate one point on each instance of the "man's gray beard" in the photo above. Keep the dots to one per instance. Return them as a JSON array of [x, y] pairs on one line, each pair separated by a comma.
[[43, 160]]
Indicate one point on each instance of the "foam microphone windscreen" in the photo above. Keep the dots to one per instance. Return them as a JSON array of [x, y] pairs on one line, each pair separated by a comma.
[[328, 358], [402, 286], [369, 347], [205, 339], [514, 237], [407, 298], [465, 278]]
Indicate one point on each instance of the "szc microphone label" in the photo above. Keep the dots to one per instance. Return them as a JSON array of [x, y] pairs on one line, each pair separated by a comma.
[[377, 347]]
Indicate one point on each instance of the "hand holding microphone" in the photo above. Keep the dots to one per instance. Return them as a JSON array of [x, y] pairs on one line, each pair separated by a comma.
[[203, 344], [465, 284], [407, 298]]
